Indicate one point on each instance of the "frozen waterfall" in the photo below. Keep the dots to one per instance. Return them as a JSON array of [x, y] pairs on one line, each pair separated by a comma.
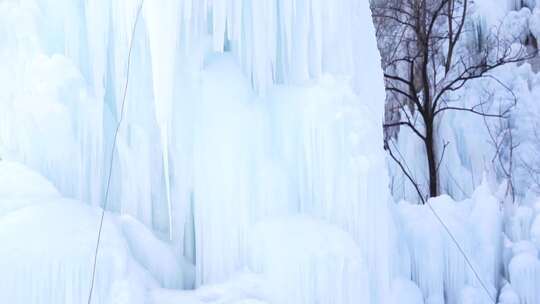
[[249, 166]]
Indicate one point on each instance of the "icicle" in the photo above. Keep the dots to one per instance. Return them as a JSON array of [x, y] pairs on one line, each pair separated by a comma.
[[316, 38], [162, 24], [525, 277], [219, 21]]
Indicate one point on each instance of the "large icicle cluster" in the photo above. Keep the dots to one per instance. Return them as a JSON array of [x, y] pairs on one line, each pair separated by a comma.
[[244, 120]]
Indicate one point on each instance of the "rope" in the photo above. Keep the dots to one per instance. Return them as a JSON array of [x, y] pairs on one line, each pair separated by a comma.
[[94, 266], [484, 286]]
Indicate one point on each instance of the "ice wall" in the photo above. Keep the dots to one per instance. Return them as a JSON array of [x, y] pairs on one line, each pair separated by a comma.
[[236, 112]]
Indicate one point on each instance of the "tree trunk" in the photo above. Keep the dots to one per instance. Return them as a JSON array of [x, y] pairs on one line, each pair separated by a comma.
[[432, 162]]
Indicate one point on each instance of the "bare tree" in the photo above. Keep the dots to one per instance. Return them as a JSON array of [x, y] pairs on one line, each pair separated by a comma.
[[427, 57]]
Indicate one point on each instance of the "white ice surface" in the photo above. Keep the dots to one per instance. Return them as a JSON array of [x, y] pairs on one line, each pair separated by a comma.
[[48, 245]]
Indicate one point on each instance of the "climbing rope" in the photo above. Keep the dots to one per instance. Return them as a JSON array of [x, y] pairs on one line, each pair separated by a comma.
[[94, 265], [460, 248]]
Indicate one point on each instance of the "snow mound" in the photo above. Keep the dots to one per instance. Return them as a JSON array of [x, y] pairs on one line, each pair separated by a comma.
[[508, 295], [473, 295], [154, 255], [47, 256], [405, 291], [308, 261], [20, 187], [239, 289], [48, 245], [16, 181]]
